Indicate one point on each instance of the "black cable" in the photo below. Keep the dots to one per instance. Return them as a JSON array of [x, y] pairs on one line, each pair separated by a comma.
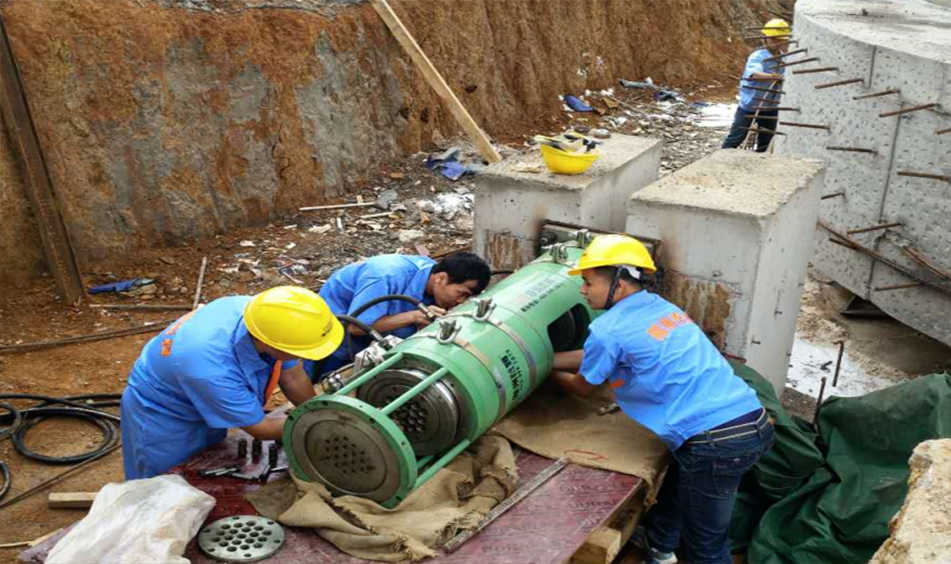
[[17, 419], [5, 472], [386, 298], [373, 334], [82, 407]]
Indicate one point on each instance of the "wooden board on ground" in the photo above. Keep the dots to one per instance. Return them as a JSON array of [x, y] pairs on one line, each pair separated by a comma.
[[605, 542], [436, 81], [71, 500]]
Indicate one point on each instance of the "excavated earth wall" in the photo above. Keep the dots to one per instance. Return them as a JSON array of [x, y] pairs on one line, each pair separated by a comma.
[[165, 122]]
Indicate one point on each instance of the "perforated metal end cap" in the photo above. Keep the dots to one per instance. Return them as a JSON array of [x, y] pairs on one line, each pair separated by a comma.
[[242, 538]]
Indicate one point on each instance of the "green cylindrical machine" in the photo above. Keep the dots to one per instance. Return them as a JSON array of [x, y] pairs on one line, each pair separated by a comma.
[[423, 401]]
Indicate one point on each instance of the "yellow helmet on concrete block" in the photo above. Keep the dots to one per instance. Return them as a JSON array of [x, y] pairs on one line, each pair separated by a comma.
[[776, 27], [566, 162], [614, 250], [294, 320]]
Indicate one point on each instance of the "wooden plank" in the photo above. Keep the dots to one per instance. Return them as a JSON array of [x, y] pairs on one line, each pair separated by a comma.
[[39, 187], [71, 500], [605, 543], [436, 81]]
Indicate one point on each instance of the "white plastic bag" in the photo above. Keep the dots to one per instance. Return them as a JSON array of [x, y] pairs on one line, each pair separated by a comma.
[[136, 522]]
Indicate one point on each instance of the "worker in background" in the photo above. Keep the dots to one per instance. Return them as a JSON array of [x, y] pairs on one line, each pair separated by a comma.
[[440, 286], [669, 377], [762, 65], [215, 368]]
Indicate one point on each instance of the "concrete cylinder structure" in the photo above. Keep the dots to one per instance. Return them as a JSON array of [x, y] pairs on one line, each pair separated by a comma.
[[880, 94]]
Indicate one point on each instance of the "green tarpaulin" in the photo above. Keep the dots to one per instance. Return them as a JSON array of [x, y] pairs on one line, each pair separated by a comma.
[[827, 498]]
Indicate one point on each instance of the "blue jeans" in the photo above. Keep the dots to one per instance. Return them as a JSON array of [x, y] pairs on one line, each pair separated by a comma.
[[695, 502], [745, 118]]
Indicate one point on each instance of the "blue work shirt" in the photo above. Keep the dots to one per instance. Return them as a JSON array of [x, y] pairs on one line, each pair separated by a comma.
[[756, 63], [358, 283], [192, 382], [665, 373]]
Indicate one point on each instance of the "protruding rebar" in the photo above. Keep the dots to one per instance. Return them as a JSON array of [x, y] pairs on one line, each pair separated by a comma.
[[874, 228], [769, 90], [799, 62], [840, 83], [789, 54], [924, 175], [817, 69], [937, 132], [766, 100], [765, 118], [877, 94], [772, 109], [833, 195], [838, 364], [755, 79], [822, 393], [907, 110], [755, 37], [853, 150], [897, 287], [758, 129], [806, 125]]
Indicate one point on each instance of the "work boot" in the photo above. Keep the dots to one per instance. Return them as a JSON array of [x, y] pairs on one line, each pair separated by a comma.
[[654, 556]]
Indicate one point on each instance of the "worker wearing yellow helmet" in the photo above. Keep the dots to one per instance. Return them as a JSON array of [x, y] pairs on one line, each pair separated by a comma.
[[214, 369], [669, 377], [759, 88]]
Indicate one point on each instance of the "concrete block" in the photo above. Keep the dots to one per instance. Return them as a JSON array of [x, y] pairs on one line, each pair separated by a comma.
[[737, 236], [510, 206], [897, 45]]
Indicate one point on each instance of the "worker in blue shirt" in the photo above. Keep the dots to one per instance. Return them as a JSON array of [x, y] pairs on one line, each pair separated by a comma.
[[668, 376], [215, 368], [439, 286], [761, 73]]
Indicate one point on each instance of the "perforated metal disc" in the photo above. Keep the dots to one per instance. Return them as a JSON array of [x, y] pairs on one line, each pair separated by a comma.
[[430, 420], [242, 538]]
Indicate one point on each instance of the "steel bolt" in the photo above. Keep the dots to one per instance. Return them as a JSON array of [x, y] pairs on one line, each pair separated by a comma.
[[256, 448], [272, 454]]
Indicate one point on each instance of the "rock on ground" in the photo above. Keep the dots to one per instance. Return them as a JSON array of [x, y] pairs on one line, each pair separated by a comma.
[[921, 532]]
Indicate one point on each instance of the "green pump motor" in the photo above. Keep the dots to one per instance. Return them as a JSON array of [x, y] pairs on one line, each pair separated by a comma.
[[420, 403]]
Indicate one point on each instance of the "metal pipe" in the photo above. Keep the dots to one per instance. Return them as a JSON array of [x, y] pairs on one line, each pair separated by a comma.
[[924, 175], [799, 62], [366, 376], [853, 150], [838, 364], [833, 195], [414, 391], [443, 460], [818, 69], [874, 228], [839, 83], [807, 125], [877, 94], [907, 110]]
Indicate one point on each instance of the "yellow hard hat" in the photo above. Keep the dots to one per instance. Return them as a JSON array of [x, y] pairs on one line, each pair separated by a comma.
[[614, 250], [294, 320], [776, 27], [565, 162]]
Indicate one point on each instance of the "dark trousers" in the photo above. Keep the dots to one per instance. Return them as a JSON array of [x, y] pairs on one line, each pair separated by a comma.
[[695, 502], [745, 118]]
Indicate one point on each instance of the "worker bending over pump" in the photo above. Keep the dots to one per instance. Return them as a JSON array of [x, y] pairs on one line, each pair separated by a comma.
[[439, 286], [759, 88], [215, 368], [668, 376]]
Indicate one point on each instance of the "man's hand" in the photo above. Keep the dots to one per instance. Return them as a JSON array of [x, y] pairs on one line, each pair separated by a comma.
[[422, 320], [568, 360], [295, 384], [573, 383]]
